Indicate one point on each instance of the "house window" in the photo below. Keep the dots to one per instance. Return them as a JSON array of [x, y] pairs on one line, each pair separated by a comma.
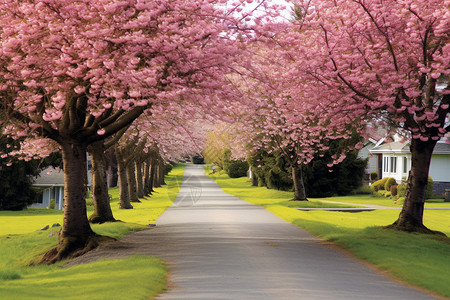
[[393, 164], [405, 165], [385, 164]]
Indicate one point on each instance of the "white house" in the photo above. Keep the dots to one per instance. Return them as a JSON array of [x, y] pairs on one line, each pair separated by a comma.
[[372, 160], [376, 137], [50, 185], [395, 161]]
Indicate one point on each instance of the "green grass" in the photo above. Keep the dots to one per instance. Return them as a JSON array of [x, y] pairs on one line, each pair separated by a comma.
[[137, 277], [383, 201], [418, 259]]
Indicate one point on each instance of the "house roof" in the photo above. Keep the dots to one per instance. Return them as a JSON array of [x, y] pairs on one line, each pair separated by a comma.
[[403, 147], [50, 177], [442, 148]]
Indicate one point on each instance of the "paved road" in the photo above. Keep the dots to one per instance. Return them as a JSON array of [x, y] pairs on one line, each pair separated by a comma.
[[220, 247]]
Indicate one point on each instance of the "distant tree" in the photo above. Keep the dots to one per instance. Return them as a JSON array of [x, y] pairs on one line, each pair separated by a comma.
[[341, 179]]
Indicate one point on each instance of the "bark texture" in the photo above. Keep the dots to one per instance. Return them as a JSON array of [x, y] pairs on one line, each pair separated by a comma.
[[76, 236], [113, 177], [299, 187], [139, 179], [102, 208], [254, 179], [124, 199], [411, 215], [147, 183], [131, 178]]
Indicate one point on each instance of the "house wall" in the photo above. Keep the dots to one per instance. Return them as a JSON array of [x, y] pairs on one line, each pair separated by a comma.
[[396, 166], [440, 173], [55, 192], [440, 168], [372, 160]]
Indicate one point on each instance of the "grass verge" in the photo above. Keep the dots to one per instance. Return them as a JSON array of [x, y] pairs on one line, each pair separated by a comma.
[[418, 259], [137, 277]]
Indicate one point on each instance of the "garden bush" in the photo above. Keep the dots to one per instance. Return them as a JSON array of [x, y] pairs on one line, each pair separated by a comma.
[[389, 182], [51, 204], [237, 168], [401, 190], [364, 189], [394, 190], [429, 194], [378, 185], [373, 176], [226, 160]]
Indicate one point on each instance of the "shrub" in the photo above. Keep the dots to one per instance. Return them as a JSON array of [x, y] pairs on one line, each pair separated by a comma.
[[237, 168], [393, 190], [429, 193], [401, 190], [51, 204], [389, 182], [344, 178], [378, 185], [383, 193], [364, 189], [226, 159], [373, 176]]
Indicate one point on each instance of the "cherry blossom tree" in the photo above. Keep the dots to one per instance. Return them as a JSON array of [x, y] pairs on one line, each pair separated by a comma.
[[77, 72], [282, 113], [378, 60]]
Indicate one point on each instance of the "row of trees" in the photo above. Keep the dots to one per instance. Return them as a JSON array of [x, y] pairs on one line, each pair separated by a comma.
[[74, 75], [270, 166], [340, 65]]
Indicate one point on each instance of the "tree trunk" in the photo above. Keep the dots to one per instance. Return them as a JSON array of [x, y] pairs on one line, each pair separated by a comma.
[[139, 179], [124, 198], [102, 208], [162, 172], [254, 179], [151, 179], [147, 191], [113, 176], [299, 187], [76, 236], [155, 171], [411, 216], [131, 177]]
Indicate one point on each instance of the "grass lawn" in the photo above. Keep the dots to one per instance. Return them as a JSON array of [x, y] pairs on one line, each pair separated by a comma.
[[383, 201], [418, 259], [137, 277]]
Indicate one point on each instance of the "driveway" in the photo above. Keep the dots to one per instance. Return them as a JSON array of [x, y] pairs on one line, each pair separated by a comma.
[[220, 247]]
